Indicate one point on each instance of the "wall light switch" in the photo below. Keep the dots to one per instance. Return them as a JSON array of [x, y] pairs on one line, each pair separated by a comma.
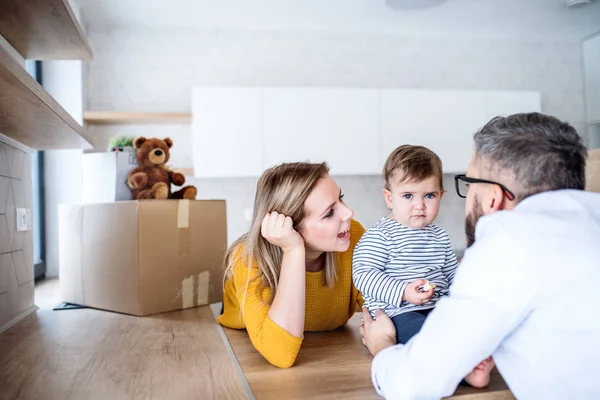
[[23, 219]]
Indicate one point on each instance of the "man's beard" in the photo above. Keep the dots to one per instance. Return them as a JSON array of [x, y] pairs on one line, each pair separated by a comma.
[[471, 220]]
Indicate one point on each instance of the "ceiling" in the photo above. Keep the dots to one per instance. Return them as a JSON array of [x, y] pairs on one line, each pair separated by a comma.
[[523, 18]]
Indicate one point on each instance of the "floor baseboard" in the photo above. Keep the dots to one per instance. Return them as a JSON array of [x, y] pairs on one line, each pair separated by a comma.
[[18, 318]]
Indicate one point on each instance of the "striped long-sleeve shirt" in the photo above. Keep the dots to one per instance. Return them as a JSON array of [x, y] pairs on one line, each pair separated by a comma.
[[390, 255]]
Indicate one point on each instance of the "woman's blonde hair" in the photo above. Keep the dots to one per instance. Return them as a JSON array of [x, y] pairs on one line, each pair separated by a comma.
[[284, 189]]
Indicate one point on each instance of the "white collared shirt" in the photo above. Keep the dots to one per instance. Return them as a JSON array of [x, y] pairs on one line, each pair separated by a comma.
[[527, 293]]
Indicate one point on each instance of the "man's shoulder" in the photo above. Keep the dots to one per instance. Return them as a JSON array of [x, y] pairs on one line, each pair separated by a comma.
[[543, 214], [501, 223], [510, 229], [559, 200]]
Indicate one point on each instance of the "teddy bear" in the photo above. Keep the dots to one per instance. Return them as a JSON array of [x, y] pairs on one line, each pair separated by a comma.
[[152, 178]]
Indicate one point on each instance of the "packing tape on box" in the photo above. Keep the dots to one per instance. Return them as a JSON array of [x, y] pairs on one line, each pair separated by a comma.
[[183, 224], [187, 292], [203, 286], [183, 214], [194, 290]]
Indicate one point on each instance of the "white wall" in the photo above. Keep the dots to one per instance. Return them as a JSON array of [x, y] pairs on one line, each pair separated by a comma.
[[63, 79], [594, 132], [62, 175], [591, 70], [153, 71]]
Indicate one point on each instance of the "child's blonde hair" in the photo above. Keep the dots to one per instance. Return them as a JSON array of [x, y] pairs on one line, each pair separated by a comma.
[[284, 189], [409, 163]]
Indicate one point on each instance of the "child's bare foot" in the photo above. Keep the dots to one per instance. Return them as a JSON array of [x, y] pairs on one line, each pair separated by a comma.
[[480, 376]]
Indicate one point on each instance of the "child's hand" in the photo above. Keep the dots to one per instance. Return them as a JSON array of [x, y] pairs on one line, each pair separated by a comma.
[[412, 294], [279, 230]]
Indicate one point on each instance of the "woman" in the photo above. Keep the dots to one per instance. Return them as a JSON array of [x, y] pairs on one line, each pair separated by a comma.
[[293, 271]]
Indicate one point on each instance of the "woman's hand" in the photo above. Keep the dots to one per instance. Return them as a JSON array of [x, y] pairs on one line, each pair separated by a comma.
[[288, 307], [279, 230]]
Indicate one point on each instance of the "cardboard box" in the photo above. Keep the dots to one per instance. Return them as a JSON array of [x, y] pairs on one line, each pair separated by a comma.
[[593, 171], [142, 257], [105, 176]]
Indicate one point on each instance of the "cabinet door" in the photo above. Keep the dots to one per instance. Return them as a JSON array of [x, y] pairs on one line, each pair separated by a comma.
[[339, 126], [441, 120], [226, 132], [507, 102]]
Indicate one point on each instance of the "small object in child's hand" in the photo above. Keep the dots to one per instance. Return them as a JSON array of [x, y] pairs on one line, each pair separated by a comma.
[[428, 285]]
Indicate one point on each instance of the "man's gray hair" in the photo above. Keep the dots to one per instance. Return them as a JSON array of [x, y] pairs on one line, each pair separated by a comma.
[[541, 152]]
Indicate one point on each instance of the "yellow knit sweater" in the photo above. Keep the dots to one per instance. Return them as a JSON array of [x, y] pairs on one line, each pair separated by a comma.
[[326, 308]]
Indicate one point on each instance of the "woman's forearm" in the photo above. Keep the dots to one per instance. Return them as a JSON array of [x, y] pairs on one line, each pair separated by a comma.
[[287, 309]]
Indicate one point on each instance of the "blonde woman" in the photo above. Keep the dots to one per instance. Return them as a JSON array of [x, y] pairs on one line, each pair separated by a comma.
[[292, 272]]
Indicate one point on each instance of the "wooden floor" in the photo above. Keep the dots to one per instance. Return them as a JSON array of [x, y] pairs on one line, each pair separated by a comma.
[[91, 354]]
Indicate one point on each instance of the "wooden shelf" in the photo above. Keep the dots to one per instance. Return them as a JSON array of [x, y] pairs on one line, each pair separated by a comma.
[[43, 30], [29, 115], [113, 117], [185, 171]]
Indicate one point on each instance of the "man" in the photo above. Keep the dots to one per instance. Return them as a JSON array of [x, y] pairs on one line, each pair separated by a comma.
[[526, 290]]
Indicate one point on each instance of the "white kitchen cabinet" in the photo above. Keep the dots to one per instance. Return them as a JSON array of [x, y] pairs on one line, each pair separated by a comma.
[[241, 131], [226, 132], [336, 125], [442, 120]]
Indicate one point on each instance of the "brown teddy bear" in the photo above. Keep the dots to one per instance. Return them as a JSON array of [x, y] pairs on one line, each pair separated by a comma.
[[152, 179]]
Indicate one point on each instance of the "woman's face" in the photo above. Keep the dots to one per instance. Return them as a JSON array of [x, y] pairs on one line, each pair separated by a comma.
[[326, 226]]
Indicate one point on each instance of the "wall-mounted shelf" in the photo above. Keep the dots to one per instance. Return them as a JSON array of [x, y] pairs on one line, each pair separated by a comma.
[[113, 117], [29, 115], [185, 171], [43, 30]]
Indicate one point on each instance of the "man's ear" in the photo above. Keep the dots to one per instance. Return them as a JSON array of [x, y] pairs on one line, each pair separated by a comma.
[[387, 196], [138, 141], [169, 142], [496, 199]]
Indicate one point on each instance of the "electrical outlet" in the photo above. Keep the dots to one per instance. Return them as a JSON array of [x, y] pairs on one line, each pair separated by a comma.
[[23, 219]]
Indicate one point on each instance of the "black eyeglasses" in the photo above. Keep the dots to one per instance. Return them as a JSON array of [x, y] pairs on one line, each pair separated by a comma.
[[462, 181]]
